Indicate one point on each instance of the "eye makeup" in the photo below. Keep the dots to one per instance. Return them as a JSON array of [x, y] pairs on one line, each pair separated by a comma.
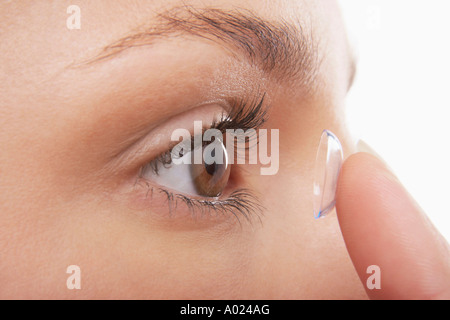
[[207, 189]]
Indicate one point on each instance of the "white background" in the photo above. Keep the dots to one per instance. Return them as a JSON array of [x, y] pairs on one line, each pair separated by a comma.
[[400, 102]]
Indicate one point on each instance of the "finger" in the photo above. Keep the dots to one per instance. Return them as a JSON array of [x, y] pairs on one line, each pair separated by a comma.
[[383, 226]]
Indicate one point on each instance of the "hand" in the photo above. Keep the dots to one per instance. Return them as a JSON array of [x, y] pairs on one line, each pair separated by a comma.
[[383, 226]]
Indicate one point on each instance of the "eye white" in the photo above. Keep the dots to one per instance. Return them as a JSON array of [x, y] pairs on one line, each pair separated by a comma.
[[179, 176], [174, 176]]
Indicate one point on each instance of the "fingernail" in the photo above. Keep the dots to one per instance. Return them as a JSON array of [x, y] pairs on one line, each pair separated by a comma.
[[329, 160]]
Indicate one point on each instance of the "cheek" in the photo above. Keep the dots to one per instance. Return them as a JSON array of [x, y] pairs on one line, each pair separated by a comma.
[[285, 250], [123, 256]]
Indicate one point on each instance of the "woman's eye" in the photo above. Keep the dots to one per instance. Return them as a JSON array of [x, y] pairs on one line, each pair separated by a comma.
[[206, 175]]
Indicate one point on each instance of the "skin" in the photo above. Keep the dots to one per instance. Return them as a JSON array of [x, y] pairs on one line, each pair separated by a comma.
[[414, 258], [70, 159]]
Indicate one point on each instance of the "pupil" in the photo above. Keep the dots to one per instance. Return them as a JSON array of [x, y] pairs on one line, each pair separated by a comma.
[[211, 168]]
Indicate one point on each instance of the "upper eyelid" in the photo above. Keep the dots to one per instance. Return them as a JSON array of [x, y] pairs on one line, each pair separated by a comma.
[[155, 141], [249, 110], [243, 115]]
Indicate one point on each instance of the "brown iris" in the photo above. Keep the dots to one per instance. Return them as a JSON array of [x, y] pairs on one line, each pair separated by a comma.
[[210, 178]]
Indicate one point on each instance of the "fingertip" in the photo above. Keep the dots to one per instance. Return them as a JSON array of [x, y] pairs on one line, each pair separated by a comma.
[[361, 175], [383, 226]]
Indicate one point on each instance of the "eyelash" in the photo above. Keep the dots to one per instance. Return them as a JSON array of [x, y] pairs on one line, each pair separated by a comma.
[[243, 115], [241, 202]]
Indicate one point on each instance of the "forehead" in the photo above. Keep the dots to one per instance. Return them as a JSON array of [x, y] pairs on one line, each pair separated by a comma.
[[37, 31], [37, 42], [103, 21]]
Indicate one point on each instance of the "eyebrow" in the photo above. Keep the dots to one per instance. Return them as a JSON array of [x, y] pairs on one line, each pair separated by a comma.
[[281, 49]]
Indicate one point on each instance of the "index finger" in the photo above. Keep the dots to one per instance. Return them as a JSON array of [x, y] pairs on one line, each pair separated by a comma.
[[385, 231]]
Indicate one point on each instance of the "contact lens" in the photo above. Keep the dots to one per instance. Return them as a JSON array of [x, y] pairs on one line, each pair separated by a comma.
[[329, 160]]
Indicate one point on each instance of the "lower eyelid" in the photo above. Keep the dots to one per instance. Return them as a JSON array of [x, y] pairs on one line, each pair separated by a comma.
[[240, 204]]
